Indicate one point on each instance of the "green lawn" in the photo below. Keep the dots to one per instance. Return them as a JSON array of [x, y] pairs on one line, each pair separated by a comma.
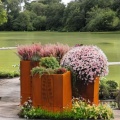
[[109, 42]]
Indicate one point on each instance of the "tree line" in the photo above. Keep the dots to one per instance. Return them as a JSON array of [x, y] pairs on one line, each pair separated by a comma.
[[53, 15], [3, 15]]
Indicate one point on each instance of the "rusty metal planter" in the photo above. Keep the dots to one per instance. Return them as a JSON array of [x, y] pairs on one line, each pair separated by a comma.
[[25, 79], [89, 92], [52, 92]]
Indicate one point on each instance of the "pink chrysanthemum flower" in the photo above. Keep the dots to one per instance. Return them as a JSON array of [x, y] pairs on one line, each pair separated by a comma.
[[86, 62]]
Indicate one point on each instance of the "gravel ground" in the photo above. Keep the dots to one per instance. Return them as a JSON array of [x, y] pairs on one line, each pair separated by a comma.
[[10, 100]]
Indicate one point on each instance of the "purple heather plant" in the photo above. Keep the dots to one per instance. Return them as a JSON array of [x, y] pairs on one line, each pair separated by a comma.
[[35, 51], [29, 52], [56, 50], [86, 62]]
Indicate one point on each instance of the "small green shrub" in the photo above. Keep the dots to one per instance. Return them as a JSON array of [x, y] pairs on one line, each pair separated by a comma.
[[49, 62], [48, 65], [118, 100], [41, 70], [112, 84], [9, 74], [104, 90], [108, 89]]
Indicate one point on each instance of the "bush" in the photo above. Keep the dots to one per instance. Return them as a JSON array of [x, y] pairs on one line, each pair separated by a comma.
[[118, 99], [8, 74], [80, 110], [49, 62], [48, 65], [108, 89], [41, 70], [112, 84], [104, 90]]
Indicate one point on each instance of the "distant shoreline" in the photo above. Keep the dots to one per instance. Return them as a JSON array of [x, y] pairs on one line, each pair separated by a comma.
[[7, 48]]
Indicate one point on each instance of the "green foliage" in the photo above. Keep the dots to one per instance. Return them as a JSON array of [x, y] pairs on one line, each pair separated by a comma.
[[118, 100], [9, 74], [104, 90], [53, 15], [39, 23], [49, 62], [116, 6], [80, 110], [23, 21], [48, 65], [41, 70], [108, 89], [102, 19], [38, 8], [3, 14], [73, 11], [112, 84]]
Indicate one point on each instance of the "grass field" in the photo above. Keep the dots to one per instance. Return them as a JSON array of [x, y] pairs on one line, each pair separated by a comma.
[[109, 42]]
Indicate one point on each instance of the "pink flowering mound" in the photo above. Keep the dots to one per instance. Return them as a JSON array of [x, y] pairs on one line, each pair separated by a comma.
[[86, 62], [29, 52], [34, 52]]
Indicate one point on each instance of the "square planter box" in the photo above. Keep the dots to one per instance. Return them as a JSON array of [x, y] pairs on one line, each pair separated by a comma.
[[89, 92], [52, 92], [26, 80]]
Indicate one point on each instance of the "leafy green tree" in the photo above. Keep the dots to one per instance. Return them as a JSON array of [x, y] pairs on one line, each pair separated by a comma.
[[104, 3], [87, 5], [78, 15], [54, 16], [102, 20], [3, 15], [13, 8], [24, 21], [36, 7], [113, 85], [116, 6], [73, 17], [39, 23]]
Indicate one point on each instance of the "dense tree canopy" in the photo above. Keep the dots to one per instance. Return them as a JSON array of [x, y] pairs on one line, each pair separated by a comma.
[[53, 15], [3, 15]]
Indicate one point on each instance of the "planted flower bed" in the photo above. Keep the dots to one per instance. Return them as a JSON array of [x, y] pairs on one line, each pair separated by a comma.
[[48, 80], [80, 110]]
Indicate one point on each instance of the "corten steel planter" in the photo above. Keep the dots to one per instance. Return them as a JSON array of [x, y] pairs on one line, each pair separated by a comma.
[[52, 92], [89, 92], [26, 79]]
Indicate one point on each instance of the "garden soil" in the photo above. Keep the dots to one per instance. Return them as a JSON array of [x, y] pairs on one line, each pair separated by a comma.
[[10, 100]]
